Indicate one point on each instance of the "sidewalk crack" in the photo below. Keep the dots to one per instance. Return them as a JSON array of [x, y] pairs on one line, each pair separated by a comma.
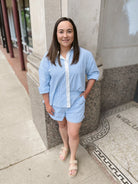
[[10, 165]]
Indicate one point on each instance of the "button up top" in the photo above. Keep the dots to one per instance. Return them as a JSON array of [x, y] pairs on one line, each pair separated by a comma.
[[64, 84]]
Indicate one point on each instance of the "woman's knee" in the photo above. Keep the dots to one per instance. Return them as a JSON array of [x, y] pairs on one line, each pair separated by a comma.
[[73, 134]]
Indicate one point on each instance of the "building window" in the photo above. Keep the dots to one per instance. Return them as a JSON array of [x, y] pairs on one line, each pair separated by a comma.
[[26, 23]]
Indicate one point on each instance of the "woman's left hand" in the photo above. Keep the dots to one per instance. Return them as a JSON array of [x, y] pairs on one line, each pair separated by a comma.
[[83, 94]]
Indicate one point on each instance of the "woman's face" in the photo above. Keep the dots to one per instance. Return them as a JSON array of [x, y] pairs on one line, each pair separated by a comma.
[[65, 34]]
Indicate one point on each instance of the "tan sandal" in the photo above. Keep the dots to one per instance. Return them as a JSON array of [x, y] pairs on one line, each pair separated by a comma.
[[64, 153], [73, 167]]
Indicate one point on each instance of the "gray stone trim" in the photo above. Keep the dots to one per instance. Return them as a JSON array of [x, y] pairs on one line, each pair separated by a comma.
[[118, 86], [102, 130], [110, 166]]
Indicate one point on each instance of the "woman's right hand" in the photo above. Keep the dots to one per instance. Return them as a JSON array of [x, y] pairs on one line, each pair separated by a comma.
[[50, 109]]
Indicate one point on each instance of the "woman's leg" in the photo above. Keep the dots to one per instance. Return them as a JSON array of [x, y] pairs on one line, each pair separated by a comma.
[[63, 133], [73, 133]]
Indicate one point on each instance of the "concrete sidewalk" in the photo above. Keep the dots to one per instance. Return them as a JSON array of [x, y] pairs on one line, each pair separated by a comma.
[[23, 156]]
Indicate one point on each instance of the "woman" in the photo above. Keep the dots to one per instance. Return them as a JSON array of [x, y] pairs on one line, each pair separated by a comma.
[[62, 83]]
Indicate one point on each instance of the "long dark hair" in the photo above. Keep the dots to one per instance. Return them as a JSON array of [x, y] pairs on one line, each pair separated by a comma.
[[54, 50]]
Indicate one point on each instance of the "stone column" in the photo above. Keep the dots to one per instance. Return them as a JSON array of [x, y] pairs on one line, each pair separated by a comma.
[[86, 15], [42, 28], [44, 14]]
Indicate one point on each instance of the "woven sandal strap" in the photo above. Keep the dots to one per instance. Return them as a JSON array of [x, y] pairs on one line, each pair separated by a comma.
[[63, 153], [73, 162], [73, 167], [63, 148]]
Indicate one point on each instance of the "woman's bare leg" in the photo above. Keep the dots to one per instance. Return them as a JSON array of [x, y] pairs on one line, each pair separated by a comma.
[[73, 133], [64, 133]]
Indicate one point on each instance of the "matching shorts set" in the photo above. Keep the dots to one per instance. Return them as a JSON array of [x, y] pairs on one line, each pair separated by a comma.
[[65, 84], [73, 114]]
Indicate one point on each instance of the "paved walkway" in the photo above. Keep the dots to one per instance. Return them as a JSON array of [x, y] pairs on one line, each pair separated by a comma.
[[23, 156], [16, 65], [115, 143]]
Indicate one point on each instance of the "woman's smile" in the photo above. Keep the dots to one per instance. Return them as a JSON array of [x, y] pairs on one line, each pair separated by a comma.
[[65, 40]]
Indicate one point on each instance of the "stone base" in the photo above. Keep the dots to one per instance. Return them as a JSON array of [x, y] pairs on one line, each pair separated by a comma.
[[118, 86], [92, 110]]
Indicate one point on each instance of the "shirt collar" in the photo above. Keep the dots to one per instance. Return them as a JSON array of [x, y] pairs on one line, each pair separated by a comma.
[[61, 57]]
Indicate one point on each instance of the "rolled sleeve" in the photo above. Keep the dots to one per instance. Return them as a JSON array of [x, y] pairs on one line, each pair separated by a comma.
[[44, 76], [92, 71]]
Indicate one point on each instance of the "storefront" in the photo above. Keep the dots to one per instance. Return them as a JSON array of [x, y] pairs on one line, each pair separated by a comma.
[[25, 24]]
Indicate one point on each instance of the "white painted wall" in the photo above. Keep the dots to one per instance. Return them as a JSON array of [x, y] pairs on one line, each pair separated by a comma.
[[44, 14], [64, 8], [86, 16], [118, 44], [52, 13], [37, 13]]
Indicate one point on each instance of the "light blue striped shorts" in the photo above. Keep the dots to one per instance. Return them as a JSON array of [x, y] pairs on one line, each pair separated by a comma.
[[74, 114]]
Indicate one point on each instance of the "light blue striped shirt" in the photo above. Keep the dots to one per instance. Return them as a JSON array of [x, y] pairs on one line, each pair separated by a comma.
[[65, 84]]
